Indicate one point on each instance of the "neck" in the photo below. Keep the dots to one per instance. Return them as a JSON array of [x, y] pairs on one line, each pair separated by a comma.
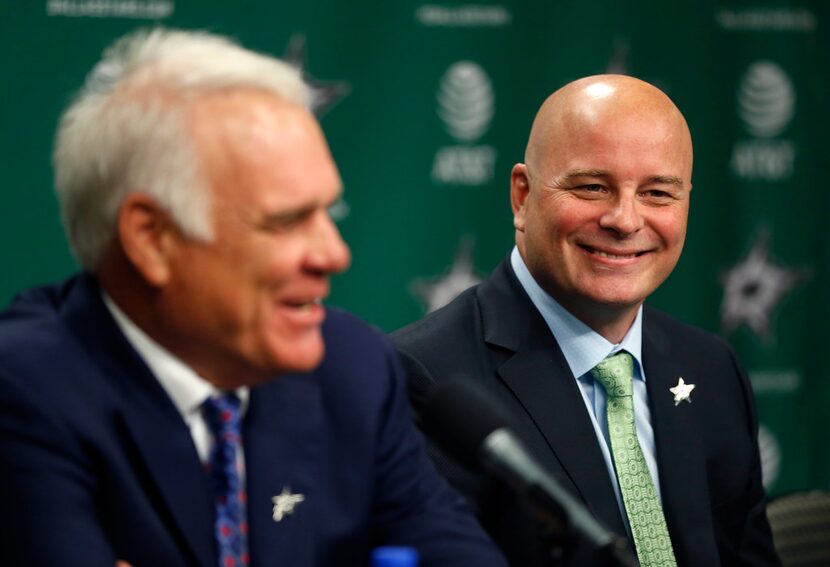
[[612, 322], [145, 306]]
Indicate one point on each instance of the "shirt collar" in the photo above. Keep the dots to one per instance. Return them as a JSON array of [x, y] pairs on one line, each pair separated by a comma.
[[185, 387], [583, 347]]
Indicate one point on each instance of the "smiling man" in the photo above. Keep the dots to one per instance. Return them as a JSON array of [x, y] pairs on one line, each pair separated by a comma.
[[650, 422], [187, 399]]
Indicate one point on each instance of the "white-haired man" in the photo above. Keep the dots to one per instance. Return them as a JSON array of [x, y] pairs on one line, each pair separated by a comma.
[[139, 416]]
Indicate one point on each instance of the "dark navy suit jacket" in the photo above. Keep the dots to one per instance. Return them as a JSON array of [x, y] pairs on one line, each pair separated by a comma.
[[707, 452], [96, 463]]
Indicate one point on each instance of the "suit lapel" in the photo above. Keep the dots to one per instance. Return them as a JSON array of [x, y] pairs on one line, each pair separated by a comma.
[[680, 458], [166, 448], [538, 375], [279, 414], [156, 429]]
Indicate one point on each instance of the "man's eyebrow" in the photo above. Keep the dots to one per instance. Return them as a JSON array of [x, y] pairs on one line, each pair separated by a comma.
[[576, 173], [666, 180], [585, 173], [288, 216], [569, 176], [284, 217]]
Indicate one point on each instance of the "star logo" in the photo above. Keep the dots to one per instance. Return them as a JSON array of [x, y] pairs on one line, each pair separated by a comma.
[[284, 503], [437, 292], [754, 288], [682, 392], [325, 94], [618, 64]]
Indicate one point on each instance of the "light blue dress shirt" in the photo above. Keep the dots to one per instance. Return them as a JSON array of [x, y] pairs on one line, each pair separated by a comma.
[[583, 349]]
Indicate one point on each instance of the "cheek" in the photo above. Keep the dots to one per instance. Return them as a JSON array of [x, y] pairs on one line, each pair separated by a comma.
[[671, 229], [274, 266]]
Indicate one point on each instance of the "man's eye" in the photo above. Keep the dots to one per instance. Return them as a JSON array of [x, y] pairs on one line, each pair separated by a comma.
[[657, 195], [590, 191]]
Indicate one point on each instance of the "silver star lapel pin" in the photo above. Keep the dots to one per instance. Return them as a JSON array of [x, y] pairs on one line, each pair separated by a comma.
[[285, 502], [682, 392]]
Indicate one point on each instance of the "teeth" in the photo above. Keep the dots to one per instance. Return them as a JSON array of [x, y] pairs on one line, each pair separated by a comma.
[[613, 256], [308, 304]]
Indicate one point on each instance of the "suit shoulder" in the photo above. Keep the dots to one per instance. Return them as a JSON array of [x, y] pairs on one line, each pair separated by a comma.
[[679, 341], [355, 350], [34, 336], [680, 331], [346, 332], [440, 326]]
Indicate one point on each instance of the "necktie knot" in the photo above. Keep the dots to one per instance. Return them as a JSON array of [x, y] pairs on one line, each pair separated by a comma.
[[616, 373]]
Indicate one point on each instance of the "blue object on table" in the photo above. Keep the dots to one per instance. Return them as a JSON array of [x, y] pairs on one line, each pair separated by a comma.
[[394, 557]]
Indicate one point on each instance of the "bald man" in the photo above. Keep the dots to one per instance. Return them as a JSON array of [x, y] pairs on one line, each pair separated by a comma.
[[650, 422]]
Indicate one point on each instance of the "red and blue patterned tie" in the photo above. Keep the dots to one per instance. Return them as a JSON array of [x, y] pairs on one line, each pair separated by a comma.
[[223, 417]]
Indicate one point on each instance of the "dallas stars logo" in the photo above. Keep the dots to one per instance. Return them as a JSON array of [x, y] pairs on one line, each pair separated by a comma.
[[325, 93], [754, 288], [437, 292]]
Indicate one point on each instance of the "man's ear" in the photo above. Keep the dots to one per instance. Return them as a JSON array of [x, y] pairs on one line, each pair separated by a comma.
[[148, 236], [519, 190]]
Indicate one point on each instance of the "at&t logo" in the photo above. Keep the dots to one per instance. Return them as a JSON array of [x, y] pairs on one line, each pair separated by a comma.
[[465, 106], [766, 106]]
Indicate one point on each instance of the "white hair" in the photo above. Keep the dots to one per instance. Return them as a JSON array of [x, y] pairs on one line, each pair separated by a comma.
[[125, 131]]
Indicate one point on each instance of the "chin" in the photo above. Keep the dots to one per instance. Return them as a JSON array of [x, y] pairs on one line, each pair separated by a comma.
[[298, 358]]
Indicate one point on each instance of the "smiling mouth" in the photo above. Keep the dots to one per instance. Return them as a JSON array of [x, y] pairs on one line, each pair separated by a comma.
[[305, 305], [611, 256]]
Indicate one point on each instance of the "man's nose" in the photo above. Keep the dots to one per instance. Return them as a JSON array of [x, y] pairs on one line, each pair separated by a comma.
[[623, 216], [328, 252]]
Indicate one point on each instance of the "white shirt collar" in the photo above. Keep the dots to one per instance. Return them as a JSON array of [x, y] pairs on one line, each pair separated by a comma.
[[185, 387], [583, 347]]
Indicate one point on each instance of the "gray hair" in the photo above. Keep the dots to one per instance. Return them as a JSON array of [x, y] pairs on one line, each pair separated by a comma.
[[125, 130]]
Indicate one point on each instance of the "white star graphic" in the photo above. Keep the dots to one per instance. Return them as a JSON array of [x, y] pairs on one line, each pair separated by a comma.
[[682, 392], [285, 502], [437, 292], [753, 288]]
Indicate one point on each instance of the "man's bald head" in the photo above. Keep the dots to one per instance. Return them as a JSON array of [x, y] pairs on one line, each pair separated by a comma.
[[601, 204], [601, 100]]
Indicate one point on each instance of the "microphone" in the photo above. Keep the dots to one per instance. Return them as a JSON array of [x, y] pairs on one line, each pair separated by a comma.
[[471, 426]]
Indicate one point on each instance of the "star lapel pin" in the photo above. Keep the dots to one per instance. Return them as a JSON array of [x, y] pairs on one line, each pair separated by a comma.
[[285, 502], [682, 392]]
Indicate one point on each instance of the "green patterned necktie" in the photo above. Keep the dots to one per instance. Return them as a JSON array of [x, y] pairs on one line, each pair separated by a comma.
[[645, 515]]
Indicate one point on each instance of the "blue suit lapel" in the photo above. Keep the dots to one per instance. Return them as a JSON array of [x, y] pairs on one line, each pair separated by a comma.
[[162, 439], [280, 414], [541, 380], [166, 448], [680, 457]]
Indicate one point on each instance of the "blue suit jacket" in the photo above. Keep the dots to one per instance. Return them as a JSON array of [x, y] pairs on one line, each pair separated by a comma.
[[96, 463], [707, 452]]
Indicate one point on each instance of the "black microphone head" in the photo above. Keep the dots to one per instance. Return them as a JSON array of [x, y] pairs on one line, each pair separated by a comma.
[[458, 416]]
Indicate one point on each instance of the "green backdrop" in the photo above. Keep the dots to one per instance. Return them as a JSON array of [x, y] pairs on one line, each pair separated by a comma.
[[431, 106]]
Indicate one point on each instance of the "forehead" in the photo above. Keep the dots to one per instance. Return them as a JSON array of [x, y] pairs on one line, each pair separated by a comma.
[[257, 145], [643, 134]]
